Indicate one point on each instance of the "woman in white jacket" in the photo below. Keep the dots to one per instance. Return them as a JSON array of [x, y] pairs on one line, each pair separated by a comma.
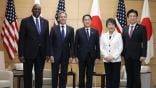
[[111, 46]]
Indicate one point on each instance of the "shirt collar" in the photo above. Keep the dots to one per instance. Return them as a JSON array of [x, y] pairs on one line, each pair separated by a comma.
[[62, 25], [35, 17], [113, 34], [88, 28], [133, 25]]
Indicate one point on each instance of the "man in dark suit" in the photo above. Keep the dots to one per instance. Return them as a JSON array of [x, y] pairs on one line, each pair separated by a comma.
[[61, 50], [33, 45], [87, 50], [135, 46]]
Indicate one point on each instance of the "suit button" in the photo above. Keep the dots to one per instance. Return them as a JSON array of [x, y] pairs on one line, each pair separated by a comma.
[[109, 45], [109, 50]]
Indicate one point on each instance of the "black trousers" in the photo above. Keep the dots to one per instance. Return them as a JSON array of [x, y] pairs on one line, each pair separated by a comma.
[[38, 64], [133, 67], [60, 66], [112, 74], [86, 67]]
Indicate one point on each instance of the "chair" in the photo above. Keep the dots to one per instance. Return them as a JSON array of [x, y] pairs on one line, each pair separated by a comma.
[[102, 75], [6, 77]]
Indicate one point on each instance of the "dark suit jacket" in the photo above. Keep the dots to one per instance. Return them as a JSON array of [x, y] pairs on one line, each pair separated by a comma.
[[83, 46], [59, 46], [135, 46], [30, 41]]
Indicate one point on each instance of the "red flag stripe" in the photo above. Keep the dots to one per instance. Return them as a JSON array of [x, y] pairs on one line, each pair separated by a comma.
[[16, 31], [11, 30], [6, 44], [7, 31], [8, 35], [15, 36], [13, 33], [118, 27], [9, 50], [9, 40]]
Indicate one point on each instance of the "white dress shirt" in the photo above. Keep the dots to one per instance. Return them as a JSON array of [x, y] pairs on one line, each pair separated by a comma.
[[88, 30], [131, 28], [111, 45], [34, 18], [65, 28]]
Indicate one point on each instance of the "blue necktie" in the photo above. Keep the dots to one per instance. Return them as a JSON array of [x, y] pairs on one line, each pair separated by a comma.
[[62, 32], [38, 26]]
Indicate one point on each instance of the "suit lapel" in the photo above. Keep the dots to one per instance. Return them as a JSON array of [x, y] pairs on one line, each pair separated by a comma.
[[58, 31], [91, 34], [127, 31], [135, 30], [67, 31], [41, 25]]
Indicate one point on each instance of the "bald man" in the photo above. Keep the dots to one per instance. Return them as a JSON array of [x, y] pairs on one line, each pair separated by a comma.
[[33, 46]]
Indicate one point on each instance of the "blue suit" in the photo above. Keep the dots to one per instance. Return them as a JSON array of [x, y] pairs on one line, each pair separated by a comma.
[[87, 50], [61, 50], [33, 46]]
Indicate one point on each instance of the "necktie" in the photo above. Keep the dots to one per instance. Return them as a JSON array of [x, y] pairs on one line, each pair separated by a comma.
[[131, 31], [87, 32], [38, 26], [62, 32]]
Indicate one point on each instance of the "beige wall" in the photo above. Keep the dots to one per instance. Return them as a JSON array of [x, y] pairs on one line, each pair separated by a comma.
[[76, 9]]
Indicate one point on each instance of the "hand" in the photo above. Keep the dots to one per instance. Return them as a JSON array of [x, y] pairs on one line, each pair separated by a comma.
[[51, 59], [97, 60], [47, 58], [102, 56], [142, 59], [70, 60], [22, 59], [109, 58], [76, 60]]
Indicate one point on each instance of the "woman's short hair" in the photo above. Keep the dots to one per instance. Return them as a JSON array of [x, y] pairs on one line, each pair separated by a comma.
[[110, 20]]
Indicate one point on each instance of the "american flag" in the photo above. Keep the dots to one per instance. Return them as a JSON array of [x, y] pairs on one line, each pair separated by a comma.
[[60, 7], [121, 16], [10, 30]]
